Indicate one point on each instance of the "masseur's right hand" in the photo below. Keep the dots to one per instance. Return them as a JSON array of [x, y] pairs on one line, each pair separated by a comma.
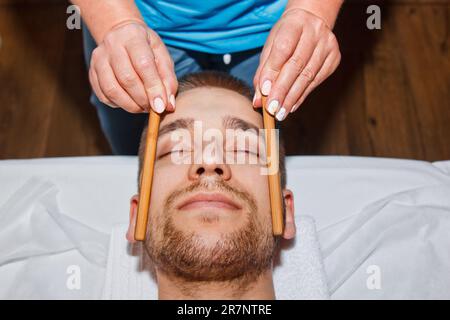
[[133, 70]]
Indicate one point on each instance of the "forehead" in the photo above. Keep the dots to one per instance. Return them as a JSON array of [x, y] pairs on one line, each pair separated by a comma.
[[211, 105]]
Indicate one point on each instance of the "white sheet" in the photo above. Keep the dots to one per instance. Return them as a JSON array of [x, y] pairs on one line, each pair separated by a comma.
[[381, 222]]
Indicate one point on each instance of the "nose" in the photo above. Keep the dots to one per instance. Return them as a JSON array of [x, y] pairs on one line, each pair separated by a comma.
[[210, 169]]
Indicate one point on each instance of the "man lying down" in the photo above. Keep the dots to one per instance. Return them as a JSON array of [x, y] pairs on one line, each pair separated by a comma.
[[209, 233]]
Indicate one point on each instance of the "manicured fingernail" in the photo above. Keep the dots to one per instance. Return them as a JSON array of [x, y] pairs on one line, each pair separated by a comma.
[[172, 100], [158, 104], [281, 114], [273, 106], [254, 100], [267, 85]]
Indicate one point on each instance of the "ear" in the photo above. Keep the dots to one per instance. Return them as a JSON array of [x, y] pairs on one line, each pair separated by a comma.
[[289, 224], [134, 201]]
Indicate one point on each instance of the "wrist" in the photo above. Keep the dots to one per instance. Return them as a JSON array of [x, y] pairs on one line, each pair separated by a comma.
[[116, 24], [102, 16], [125, 22], [327, 10]]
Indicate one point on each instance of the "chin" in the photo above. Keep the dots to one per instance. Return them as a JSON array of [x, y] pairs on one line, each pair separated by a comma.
[[209, 227]]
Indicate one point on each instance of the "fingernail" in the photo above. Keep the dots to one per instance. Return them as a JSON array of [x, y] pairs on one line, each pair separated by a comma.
[[172, 100], [158, 104], [281, 114], [273, 106], [267, 85]]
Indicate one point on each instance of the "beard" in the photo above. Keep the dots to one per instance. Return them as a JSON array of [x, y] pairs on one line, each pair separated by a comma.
[[241, 255]]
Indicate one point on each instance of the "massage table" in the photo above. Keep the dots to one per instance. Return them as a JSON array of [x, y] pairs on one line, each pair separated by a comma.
[[383, 225]]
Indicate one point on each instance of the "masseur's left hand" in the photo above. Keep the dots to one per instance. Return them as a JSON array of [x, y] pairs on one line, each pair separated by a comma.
[[300, 53]]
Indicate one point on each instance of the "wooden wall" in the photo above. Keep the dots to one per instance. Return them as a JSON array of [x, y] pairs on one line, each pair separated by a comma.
[[390, 96]]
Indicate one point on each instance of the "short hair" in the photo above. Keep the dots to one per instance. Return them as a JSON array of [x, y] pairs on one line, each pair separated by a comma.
[[221, 80]]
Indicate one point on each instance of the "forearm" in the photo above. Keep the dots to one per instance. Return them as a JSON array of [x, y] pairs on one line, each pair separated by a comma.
[[103, 15], [327, 10]]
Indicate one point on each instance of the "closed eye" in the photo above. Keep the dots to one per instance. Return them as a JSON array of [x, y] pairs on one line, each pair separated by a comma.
[[182, 151], [247, 151], [179, 151]]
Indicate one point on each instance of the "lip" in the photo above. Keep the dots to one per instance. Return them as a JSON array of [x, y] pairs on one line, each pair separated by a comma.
[[208, 200]]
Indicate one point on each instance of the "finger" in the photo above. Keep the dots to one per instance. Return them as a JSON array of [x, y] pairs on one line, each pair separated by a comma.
[[166, 69], [257, 102], [283, 47], [113, 90], [328, 68], [257, 98], [291, 71], [96, 87], [93, 78], [128, 78], [143, 61], [307, 76]]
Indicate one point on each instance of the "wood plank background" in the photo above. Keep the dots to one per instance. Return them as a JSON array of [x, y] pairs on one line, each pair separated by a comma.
[[390, 97]]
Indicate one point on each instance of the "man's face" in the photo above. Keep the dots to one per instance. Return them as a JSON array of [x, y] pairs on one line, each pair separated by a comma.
[[209, 220]]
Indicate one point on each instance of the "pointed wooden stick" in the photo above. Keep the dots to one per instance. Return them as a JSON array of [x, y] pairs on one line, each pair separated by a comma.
[[146, 179], [272, 152]]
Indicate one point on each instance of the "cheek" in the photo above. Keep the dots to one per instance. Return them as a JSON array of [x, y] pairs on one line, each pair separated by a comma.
[[162, 186], [252, 180]]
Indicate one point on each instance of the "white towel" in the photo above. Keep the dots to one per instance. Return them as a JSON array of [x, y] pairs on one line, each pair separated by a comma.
[[298, 275]]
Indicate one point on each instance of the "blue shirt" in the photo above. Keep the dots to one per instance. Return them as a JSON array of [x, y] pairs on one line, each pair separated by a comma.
[[212, 26]]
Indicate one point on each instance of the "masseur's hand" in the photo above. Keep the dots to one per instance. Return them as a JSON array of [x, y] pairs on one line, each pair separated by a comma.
[[133, 70], [300, 53]]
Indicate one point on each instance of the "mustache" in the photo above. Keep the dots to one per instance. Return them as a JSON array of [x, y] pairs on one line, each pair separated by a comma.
[[208, 186]]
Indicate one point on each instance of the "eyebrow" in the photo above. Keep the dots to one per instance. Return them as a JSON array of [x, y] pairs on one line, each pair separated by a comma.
[[237, 123], [229, 122], [183, 123]]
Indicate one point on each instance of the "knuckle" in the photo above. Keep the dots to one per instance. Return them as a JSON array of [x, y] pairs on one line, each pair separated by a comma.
[[332, 40], [95, 55], [100, 97], [281, 89], [133, 27], [323, 26], [319, 28], [109, 40], [284, 47], [110, 91], [154, 40], [155, 43], [143, 63], [314, 83], [331, 37], [153, 35], [316, 25], [289, 102], [127, 79], [296, 65], [136, 40], [106, 101], [308, 74], [270, 71], [154, 89]]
